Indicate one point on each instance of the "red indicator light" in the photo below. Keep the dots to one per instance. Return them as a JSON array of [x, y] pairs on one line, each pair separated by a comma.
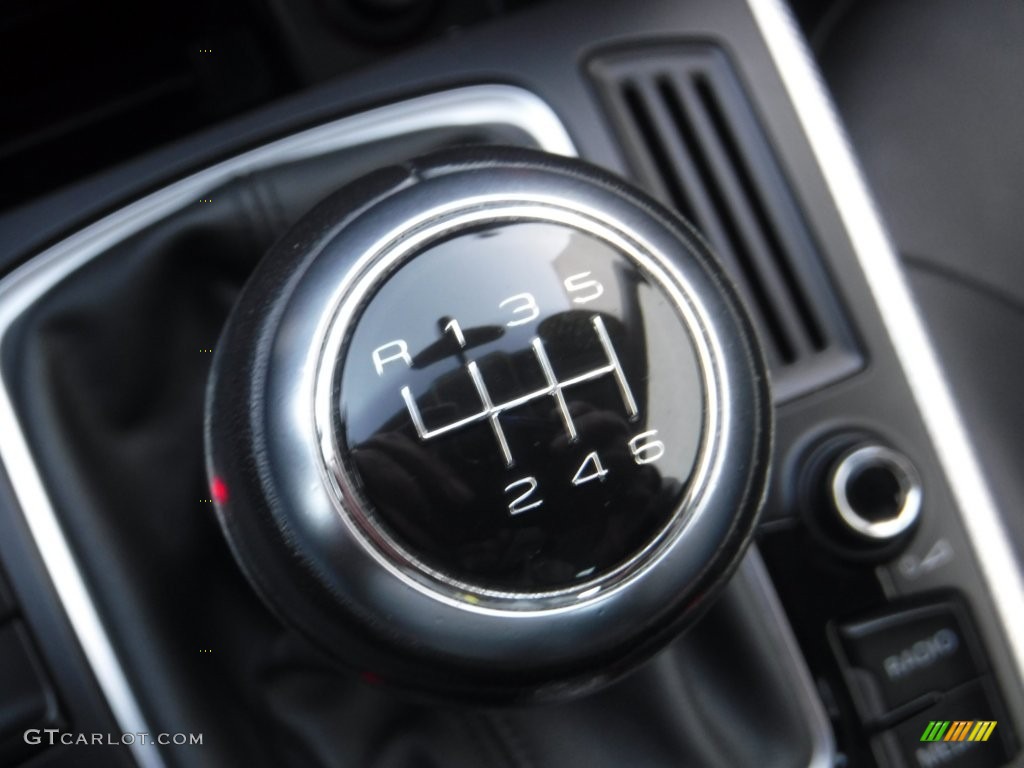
[[219, 491], [370, 678]]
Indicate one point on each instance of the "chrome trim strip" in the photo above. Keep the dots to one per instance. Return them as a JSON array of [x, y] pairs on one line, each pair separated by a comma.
[[880, 265], [475, 105]]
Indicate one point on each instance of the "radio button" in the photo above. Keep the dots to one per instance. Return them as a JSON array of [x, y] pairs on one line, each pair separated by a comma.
[[894, 658]]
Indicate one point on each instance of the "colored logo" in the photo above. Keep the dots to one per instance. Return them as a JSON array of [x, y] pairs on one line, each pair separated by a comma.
[[958, 730]]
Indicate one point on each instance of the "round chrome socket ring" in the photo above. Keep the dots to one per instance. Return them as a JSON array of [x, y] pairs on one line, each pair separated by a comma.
[[876, 457]]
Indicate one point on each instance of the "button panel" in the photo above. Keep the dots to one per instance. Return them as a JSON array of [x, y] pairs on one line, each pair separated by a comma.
[[919, 681], [896, 658], [964, 730]]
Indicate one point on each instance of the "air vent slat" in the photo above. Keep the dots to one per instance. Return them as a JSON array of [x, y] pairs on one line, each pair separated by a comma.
[[677, 165], [693, 139], [778, 265], [786, 326], [660, 164], [741, 240]]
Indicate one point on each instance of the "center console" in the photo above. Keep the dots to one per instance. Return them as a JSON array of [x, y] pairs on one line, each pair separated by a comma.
[[857, 603]]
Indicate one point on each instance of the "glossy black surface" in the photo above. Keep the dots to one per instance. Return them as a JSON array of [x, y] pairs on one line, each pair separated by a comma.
[[553, 510]]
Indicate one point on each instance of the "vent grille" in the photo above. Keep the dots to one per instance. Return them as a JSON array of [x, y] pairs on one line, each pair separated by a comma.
[[693, 140]]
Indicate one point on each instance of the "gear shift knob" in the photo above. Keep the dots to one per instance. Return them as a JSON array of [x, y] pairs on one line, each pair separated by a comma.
[[490, 425]]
